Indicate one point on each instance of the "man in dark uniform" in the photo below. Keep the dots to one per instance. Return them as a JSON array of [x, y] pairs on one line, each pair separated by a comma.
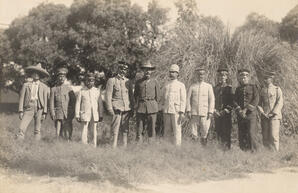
[[246, 100], [223, 107], [147, 96], [62, 105]]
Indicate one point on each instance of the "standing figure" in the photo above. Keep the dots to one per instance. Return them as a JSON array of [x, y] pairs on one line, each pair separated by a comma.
[[89, 108], [33, 101], [119, 99], [223, 108], [246, 100], [62, 105], [173, 102], [200, 106], [147, 96], [271, 101]]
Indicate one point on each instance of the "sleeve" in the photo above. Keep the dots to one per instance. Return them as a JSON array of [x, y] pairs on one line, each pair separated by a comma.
[[46, 94], [78, 104], [230, 99], [188, 99], [72, 102], [22, 98], [182, 98], [109, 93], [211, 100], [100, 105], [279, 101], [52, 98], [157, 92]]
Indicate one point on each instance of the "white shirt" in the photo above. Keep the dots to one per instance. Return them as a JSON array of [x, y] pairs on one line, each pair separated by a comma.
[[34, 90]]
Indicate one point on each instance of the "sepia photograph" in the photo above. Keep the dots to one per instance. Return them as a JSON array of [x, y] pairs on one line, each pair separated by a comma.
[[148, 96]]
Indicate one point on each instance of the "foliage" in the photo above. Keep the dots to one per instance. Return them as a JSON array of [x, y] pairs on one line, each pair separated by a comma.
[[289, 26]]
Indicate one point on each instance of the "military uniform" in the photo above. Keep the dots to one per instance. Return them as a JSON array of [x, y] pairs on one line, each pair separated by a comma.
[[246, 100], [223, 106]]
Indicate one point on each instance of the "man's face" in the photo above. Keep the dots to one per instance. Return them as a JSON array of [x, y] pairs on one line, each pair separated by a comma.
[[35, 76], [201, 75], [61, 78], [173, 75], [244, 78], [268, 80], [222, 77], [123, 70], [147, 72], [90, 82]]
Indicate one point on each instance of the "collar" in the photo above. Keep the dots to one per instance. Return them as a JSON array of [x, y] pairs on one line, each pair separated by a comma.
[[36, 82]]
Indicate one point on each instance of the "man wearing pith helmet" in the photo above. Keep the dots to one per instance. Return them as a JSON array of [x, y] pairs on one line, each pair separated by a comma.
[[200, 106], [173, 103], [271, 101], [62, 105], [246, 99], [33, 101], [223, 107]]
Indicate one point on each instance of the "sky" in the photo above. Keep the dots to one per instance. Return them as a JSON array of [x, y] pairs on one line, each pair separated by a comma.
[[232, 12]]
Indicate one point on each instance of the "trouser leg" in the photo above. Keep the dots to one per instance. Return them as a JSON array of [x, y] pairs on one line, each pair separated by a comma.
[[204, 128], [27, 117], [85, 132], [141, 122], [151, 125], [243, 135], [176, 129], [226, 129], [68, 127], [168, 130], [37, 125], [58, 124], [194, 126], [275, 125], [115, 127], [254, 142], [265, 124], [94, 128], [124, 127]]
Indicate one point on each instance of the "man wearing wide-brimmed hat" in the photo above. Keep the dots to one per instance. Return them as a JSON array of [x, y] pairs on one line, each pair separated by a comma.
[[147, 96], [200, 106], [223, 107], [33, 101], [271, 102], [246, 99], [119, 99], [89, 108], [173, 102], [62, 105]]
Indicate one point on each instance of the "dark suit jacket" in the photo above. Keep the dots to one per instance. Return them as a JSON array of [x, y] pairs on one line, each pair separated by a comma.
[[62, 102], [223, 97], [25, 96]]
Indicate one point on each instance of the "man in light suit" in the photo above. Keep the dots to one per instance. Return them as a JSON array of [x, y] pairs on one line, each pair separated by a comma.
[[33, 101], [173, 103], [89, 108], [62, 105], [271, 101], [200, 106]]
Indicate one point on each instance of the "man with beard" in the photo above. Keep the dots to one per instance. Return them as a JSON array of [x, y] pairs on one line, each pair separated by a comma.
[[119, 99], [223, 108], [62, 105], [173, 104], [246, 100], [89, 108], [200, 106], [147, 96]]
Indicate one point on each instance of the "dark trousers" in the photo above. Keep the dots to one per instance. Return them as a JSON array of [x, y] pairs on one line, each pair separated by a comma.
[[247, 133], [146, 123], [223, 128], [64, 128]]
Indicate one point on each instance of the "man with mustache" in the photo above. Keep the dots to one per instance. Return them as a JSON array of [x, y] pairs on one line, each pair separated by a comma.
[[147, 96]]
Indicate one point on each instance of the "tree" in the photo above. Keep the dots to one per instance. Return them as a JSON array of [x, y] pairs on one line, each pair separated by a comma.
[[289, 26]]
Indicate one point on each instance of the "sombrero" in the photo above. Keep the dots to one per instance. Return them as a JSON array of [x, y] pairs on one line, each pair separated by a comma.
[[37, 69]]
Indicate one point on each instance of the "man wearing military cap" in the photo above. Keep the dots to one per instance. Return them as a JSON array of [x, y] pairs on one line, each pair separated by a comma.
[[200, 106], [246, 100], [173, 102], [223, 107], [147, 97], [271, 103], [119, 99], [33, 101], [89, 108], [62, 105]]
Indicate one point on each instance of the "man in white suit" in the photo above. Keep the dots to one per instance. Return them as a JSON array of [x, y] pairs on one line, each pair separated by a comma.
[[200, 106], [89, 108], [173, 103]]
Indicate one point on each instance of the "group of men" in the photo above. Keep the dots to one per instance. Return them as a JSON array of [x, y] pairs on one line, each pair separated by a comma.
[[145, 97]]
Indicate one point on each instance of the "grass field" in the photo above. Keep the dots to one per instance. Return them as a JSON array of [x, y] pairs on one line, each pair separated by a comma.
[[159, 162]]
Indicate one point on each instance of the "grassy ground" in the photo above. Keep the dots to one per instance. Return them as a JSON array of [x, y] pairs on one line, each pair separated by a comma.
[[159, 162]]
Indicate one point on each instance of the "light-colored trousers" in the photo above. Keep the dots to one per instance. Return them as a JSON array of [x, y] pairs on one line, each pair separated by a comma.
[[120, 123], [270, 132], [64, 128], [29, 114], [172, 127], [93, 125], [203, 124]]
